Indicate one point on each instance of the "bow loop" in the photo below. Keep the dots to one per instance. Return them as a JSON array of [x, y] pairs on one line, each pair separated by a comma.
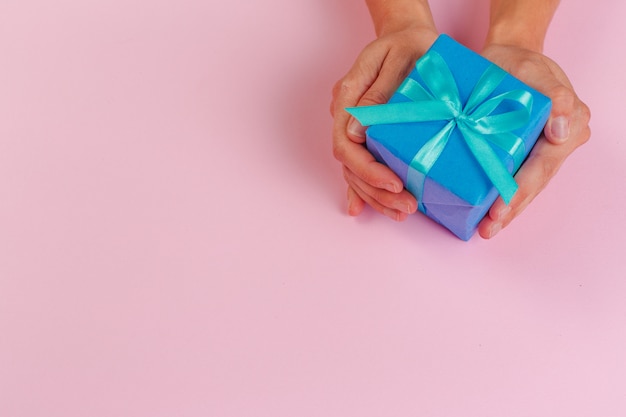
[[442, 86]]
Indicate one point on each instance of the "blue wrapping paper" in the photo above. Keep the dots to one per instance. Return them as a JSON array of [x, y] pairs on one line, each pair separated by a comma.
[[457, 191]]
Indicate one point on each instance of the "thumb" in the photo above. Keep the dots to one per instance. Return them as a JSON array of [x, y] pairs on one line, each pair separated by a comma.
[[380, 91], [356, 131], [557, 129]]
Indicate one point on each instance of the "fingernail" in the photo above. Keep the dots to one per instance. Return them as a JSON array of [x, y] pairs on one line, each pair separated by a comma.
[[503, 212], [559, 128], [392, 187], [351, 210], [495, 229], [356, 129], [403, 207], [392, 214]]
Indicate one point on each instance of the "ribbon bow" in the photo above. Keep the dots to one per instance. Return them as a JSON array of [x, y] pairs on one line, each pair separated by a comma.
[[475, 120]]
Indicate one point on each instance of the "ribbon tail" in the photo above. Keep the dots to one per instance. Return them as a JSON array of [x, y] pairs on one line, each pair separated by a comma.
[[424, 160], [511, 144], [492, 166], [438, 78]]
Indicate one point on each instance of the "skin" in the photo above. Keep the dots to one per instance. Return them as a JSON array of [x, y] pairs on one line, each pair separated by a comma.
[[405, 30]]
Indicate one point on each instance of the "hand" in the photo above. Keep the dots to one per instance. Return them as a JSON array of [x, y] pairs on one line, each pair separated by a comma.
[[378, 71], [567, 128]]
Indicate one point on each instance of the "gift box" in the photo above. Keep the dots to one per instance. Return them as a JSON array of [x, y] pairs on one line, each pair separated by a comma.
[[455, 132]]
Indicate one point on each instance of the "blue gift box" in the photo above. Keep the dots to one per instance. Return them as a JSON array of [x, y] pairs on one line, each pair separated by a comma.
[[455, 132]]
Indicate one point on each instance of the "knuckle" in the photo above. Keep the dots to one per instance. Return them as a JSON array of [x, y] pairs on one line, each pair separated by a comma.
[[585, 113], [585, 135], [337, 87], [339, 151], [549, 166], [524, 68], [344, 86], [565, 97], [584, 116]]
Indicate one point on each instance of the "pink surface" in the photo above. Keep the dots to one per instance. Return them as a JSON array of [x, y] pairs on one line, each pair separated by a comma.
[[173, 239]]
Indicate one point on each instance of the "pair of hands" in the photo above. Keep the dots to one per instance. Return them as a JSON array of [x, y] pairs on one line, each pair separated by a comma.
[[377, 73]]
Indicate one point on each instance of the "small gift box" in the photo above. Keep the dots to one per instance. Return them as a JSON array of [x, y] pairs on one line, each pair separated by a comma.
[[455, 132]]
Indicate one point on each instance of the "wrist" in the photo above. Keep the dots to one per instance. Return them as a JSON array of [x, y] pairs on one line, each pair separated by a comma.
[[515, 34], [520, 23], [401, 15]]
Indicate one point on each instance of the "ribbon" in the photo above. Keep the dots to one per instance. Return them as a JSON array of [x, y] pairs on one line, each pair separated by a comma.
[[440, 101]]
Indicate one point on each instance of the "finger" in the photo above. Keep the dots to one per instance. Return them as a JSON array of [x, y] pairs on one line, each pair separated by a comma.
[[393, 71], [356, 131], [403, 201], [568, 114], [389, 212], [347, 141], [348, 91], [541, 165], [578, 131], [564, 100], [546, 77], [569, 117], [359, 161], [355, 203], [386, 79]]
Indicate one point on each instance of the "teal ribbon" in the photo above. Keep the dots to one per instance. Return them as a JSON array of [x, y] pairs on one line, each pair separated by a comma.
[[440, 101]]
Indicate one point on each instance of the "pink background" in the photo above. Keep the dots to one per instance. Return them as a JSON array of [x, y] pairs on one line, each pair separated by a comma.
[[173, 236]]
